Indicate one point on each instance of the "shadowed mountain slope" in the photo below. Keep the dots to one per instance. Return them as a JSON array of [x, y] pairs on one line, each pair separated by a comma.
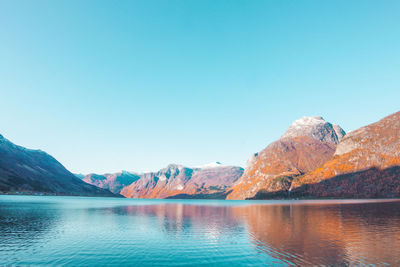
[[34, 171]]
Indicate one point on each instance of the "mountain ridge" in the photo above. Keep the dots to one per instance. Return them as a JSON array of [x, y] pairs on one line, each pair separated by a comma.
[[313, 159], [211, 179], [30, 171]]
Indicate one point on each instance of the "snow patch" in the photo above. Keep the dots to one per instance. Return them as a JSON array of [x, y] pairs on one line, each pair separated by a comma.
[[179, 187], [316, 128], [215, 164]]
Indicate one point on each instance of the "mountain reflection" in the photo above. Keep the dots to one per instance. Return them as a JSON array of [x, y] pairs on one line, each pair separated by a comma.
[[326, 234], [178, 218], [296, 234]]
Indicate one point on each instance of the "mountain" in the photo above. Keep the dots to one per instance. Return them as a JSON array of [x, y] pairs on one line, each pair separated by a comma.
[[366, 164], [175, 181], [30, 171], [114, 182], [307, 144]]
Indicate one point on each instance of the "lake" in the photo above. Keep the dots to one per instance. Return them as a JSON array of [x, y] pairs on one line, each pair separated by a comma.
[[79, 231]]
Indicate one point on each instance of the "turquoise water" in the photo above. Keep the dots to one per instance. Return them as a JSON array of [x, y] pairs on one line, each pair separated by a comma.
[[78, 231]]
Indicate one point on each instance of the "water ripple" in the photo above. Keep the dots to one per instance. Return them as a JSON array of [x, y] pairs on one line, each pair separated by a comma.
[[109, 232]]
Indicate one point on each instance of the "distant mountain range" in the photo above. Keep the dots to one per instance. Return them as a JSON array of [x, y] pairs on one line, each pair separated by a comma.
[[175, 181], [312, 159]]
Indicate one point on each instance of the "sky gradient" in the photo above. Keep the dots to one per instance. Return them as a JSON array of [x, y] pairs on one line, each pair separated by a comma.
[[105, 86]]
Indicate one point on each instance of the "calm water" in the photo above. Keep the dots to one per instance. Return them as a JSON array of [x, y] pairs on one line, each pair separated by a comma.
[[102, 231]]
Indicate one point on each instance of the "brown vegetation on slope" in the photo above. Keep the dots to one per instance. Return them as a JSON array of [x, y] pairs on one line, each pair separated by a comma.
[[365, 164]]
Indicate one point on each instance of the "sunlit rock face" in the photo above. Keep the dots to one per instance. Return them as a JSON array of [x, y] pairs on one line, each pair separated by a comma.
[[365, 164], [306, 145], [316, 128], [175, 181], [31, 171]]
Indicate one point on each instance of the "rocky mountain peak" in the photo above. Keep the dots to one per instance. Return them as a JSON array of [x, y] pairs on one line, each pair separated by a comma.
[[316, 128], [308, 143], [173, 169], [174, 166]]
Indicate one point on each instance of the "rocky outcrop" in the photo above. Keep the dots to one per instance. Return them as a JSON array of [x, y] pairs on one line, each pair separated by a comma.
[[316, 128], [306, 145], [30, 171], [365, 164]]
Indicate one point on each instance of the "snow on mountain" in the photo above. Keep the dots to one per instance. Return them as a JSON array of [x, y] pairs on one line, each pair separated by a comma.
[[214, 164], [316, 128]]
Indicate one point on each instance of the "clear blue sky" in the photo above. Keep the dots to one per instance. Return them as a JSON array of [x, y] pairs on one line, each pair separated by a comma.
[[135, 85]]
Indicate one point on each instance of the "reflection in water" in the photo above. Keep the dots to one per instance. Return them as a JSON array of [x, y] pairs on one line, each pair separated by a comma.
[[174, 219], [83, 231], [318, 234]]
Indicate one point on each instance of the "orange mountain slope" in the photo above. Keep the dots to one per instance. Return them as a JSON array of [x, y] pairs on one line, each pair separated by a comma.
[[365, 164], [306, 145]]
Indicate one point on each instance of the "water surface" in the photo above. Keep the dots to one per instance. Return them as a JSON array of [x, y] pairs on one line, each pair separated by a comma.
[[104, 231]]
